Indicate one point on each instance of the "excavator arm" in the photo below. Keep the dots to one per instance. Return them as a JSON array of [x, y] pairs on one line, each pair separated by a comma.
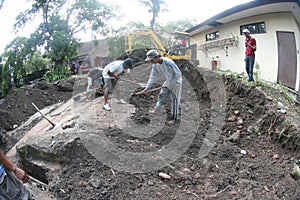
[[156, 43], [154, 39]]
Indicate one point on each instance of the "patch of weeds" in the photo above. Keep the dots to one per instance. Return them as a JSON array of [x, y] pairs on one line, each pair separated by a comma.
[[277, 91], [285, 92], [238, 76]]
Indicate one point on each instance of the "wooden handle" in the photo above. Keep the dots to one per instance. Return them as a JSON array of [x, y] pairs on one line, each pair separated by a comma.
[[31, 179], [128, 81], [152, 90], [43, 114]]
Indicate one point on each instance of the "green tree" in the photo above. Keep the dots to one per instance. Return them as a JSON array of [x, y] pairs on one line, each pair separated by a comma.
[[17, 53], [61, 45], [5, 80], [36, 63], [24, 59], [179, 25], [154, 7], [116, 43], [171, 28], [115, 46], [57, 33]]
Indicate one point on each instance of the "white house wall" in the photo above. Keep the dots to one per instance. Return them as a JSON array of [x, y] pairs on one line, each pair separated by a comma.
[[267, 50]]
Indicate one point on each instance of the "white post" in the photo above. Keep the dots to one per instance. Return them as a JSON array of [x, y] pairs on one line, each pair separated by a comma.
[[11, 74]]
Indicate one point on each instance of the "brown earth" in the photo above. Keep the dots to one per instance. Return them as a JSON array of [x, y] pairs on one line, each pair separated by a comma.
[[252, 158], [17, 107]]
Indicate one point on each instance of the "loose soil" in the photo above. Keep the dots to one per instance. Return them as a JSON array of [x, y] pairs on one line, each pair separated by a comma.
[[252, 159]]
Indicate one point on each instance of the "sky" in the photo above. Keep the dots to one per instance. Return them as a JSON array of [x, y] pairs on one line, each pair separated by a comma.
[[131, 9]]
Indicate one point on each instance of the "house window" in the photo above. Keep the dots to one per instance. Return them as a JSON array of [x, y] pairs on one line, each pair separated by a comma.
[[255, 28], [212, 36]]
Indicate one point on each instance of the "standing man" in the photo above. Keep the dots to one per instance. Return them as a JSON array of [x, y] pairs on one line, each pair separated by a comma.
[[250, 44], [94, 78], [111, 75], [10, 185], [171, 87]]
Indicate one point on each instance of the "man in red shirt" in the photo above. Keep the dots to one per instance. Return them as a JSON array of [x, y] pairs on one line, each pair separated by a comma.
[[250, 44]]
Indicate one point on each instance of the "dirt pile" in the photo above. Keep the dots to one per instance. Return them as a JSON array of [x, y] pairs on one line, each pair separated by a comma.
[[17, 107], [252, 157], [245, 162]]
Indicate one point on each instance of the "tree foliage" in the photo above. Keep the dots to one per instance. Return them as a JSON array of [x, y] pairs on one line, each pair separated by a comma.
[[36, 63], [172, 27], [154, 7], [61, 21], [22, 56], [55, 36], [57, 32], [5, 80], [117, 42], [17, 53], [179, 25]]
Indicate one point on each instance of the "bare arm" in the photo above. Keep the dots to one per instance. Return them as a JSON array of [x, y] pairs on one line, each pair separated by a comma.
[[113, 75], [252, 40], [20, 174], [252, 46], [131, 77]]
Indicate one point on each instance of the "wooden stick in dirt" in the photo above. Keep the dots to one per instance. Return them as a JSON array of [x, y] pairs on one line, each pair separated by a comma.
[[43, 115]]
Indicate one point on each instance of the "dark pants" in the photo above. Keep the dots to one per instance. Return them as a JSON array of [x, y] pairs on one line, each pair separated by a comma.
[[162, 99], [11, 188], [249, 67]]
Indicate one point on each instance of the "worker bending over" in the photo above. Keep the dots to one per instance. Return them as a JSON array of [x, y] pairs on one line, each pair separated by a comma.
[[111, 75], [94, 78], [171, 87]]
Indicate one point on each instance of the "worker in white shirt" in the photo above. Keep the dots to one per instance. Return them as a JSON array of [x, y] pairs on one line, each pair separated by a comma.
[[111, 75]]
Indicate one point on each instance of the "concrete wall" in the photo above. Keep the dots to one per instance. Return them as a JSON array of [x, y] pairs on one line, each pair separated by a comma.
[[267, 50]]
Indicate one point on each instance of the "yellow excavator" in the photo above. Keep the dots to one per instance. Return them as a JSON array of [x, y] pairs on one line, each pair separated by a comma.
[[180, 50]]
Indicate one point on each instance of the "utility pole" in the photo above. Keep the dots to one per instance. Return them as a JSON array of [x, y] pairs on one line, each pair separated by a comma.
[[93, 59], [11, 75]]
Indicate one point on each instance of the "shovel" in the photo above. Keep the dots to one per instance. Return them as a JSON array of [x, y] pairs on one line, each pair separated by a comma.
[[151, 90]]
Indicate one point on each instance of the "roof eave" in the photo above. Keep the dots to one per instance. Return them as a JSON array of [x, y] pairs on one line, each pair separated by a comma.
[[250, 9]]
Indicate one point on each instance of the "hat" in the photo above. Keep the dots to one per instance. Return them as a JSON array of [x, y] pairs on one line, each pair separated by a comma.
[[246, 31], [129, 62], [151, 55]]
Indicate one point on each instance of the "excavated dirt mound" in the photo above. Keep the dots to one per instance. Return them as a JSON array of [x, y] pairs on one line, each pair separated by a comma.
[[17, 107], [246, 163], [253, 156]]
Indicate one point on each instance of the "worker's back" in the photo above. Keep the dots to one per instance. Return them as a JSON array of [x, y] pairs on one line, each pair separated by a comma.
[[95, 73]]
